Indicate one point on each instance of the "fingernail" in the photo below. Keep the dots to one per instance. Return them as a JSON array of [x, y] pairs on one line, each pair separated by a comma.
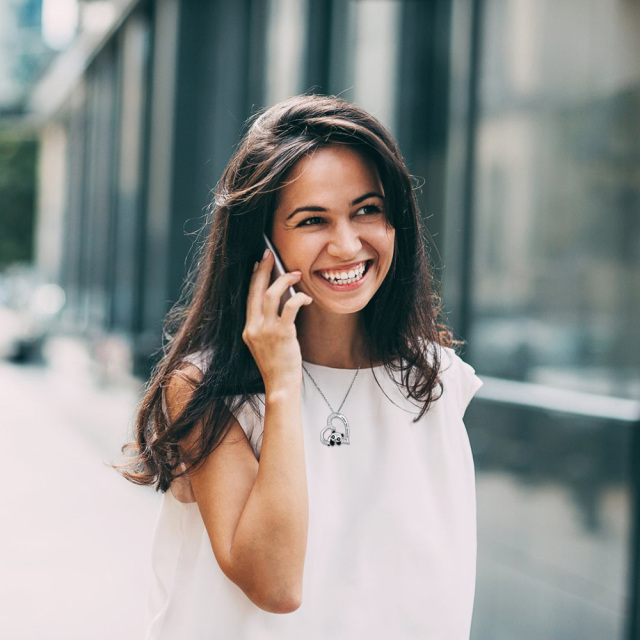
[[255, 266], [265, 254]]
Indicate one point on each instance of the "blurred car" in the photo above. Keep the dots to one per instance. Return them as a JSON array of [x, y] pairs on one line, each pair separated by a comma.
[[29, 308]]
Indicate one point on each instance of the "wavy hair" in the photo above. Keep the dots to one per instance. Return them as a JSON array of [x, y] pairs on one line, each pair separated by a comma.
[[401, 322]]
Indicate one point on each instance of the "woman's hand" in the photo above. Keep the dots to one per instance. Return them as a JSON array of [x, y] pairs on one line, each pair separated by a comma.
[[271, 337]]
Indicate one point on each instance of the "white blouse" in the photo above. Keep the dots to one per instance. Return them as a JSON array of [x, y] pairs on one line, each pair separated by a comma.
[[392, 525]]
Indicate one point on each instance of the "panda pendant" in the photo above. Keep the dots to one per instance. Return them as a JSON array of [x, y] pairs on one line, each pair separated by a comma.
[[330, 436]]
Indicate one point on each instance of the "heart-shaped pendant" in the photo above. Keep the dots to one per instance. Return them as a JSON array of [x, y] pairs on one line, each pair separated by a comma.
[[330, 436]]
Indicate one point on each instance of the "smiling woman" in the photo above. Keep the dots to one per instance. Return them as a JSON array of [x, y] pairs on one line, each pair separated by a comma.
[[244, 423], [330, 224]]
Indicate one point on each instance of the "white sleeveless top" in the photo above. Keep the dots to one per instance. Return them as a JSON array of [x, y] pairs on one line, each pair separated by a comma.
[[392, 525]]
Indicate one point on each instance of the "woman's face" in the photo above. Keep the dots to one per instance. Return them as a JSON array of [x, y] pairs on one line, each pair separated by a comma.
[[330, 224]]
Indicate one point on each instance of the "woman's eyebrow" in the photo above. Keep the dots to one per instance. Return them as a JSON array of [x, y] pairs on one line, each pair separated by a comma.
[[371, 194], [305, 208]]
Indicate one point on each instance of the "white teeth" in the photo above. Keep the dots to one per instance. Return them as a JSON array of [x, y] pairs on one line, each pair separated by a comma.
[[344, 277]]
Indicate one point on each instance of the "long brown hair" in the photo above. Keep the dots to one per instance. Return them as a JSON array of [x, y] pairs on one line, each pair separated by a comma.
[[401, 322]]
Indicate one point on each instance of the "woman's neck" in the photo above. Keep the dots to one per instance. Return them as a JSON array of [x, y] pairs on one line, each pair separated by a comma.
[[331, 340]]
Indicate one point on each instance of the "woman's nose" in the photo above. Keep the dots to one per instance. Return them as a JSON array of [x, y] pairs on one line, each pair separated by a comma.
[[344, 242]]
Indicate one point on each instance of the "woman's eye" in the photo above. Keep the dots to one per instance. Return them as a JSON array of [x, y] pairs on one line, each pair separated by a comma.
[[369, 209], [307, 222]]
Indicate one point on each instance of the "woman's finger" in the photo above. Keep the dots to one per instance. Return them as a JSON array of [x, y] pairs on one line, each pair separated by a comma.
[[293, 305], [273, 295], [258, 285]]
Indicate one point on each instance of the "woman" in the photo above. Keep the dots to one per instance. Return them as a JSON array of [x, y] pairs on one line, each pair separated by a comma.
[[311, 446]]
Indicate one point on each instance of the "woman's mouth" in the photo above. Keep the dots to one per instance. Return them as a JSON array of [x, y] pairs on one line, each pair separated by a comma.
[[344, 277]]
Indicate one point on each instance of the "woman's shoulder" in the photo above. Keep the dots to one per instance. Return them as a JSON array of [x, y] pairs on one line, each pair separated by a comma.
[[182, 381], [199, 358], [458, 377], [449, 360], [246, 409]]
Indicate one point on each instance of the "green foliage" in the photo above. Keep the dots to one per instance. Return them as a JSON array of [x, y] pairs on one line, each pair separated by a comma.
[[17, 200]]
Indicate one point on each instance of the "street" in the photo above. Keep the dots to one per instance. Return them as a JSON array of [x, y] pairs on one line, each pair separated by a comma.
[[75, 536]]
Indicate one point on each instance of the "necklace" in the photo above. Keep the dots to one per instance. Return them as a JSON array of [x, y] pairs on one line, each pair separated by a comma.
[[415, 413], [329, 435]]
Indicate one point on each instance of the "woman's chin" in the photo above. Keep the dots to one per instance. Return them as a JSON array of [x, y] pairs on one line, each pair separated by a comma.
[[322, 305]]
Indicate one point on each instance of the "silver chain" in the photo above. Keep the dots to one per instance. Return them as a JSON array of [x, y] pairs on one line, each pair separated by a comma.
[[413, 413], [325, 397]]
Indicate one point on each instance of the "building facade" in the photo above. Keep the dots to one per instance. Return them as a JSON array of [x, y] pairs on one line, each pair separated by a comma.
[[521, 119]]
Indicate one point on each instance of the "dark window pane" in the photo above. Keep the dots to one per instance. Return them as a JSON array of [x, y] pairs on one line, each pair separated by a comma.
[[554, 512]]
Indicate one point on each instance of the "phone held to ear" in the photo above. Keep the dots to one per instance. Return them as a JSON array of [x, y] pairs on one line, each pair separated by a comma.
[[279, 270]]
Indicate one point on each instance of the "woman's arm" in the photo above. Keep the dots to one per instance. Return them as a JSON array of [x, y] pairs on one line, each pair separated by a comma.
[[256, 515]]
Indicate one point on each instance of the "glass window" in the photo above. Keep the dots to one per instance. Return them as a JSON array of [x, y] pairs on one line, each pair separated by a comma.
[[286, 20], [556, 246], [375, 38], [554, 521]]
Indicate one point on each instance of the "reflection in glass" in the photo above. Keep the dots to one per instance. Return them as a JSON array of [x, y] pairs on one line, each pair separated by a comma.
[[554, 506], [556, 267]]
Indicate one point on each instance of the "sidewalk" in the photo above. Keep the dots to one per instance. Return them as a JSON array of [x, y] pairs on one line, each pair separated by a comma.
[[75, 537]]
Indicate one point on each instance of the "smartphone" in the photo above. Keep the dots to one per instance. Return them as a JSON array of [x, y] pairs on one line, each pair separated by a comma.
[[279, 271]]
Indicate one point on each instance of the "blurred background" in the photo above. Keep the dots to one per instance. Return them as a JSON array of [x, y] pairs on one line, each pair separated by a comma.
[[522, 117]]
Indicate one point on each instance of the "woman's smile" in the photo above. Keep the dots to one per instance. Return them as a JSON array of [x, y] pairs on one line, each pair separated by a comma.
[[330, 223], [342, 277]]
